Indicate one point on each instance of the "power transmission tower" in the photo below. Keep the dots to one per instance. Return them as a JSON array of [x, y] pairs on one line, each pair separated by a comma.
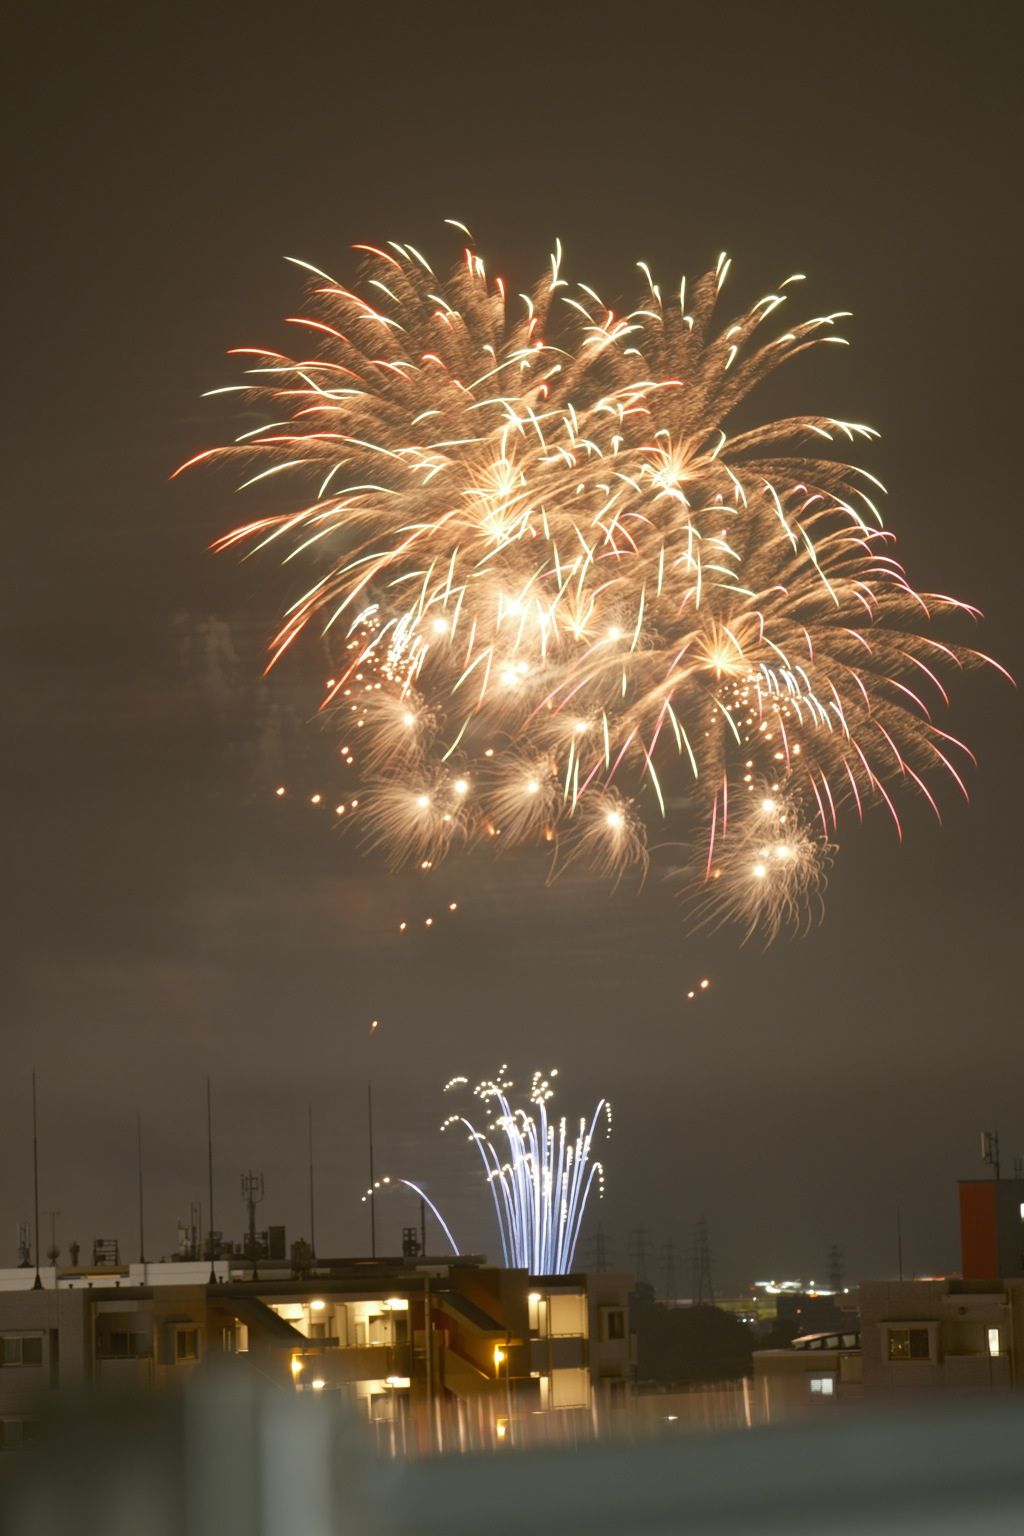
[[668, 1269], [640, 1252], [600, 1251], [703, 1264], [835, 1268], [252, 1194]]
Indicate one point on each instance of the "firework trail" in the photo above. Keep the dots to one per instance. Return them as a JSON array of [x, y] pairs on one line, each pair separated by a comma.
[[541, 1179], [565, 605]]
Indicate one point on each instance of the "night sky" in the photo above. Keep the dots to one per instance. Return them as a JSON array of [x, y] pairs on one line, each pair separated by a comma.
[[168, 917]]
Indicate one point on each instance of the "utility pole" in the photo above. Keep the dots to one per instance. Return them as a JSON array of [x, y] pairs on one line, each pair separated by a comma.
[[252, 1194]]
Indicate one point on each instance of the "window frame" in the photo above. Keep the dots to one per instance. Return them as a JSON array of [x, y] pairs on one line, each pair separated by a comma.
[[190, 1331], [612, 1317], [913, 1328], [20, 1339], [22, 1441]]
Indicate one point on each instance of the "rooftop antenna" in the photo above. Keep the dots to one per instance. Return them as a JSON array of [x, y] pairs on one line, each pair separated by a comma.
[[209, 1170], [142, 1230], [252, 1194], [37, 1284], [373, 1212]]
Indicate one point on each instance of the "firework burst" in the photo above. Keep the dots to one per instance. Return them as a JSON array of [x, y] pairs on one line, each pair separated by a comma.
[[566, 605]]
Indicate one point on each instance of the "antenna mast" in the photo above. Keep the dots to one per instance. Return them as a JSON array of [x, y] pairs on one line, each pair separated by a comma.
[[142, 1227], [37, 1284], [209, 1170], [312, 1218]]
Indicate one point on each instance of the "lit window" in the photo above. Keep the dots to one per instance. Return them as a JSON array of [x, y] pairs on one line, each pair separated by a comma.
[[567, 1314], [993, 1341], [823, 1384], [909, 1344]]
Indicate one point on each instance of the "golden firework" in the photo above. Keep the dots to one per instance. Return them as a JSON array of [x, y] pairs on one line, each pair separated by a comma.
[[565, 603]]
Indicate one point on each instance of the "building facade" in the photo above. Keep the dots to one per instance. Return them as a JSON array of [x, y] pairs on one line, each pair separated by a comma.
[[429, 1351], [943, 1335]]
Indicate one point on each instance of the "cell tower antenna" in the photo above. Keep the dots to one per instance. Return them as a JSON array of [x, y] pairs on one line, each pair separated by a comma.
[[252, 1194], [703, 1265], [990, 1150]]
